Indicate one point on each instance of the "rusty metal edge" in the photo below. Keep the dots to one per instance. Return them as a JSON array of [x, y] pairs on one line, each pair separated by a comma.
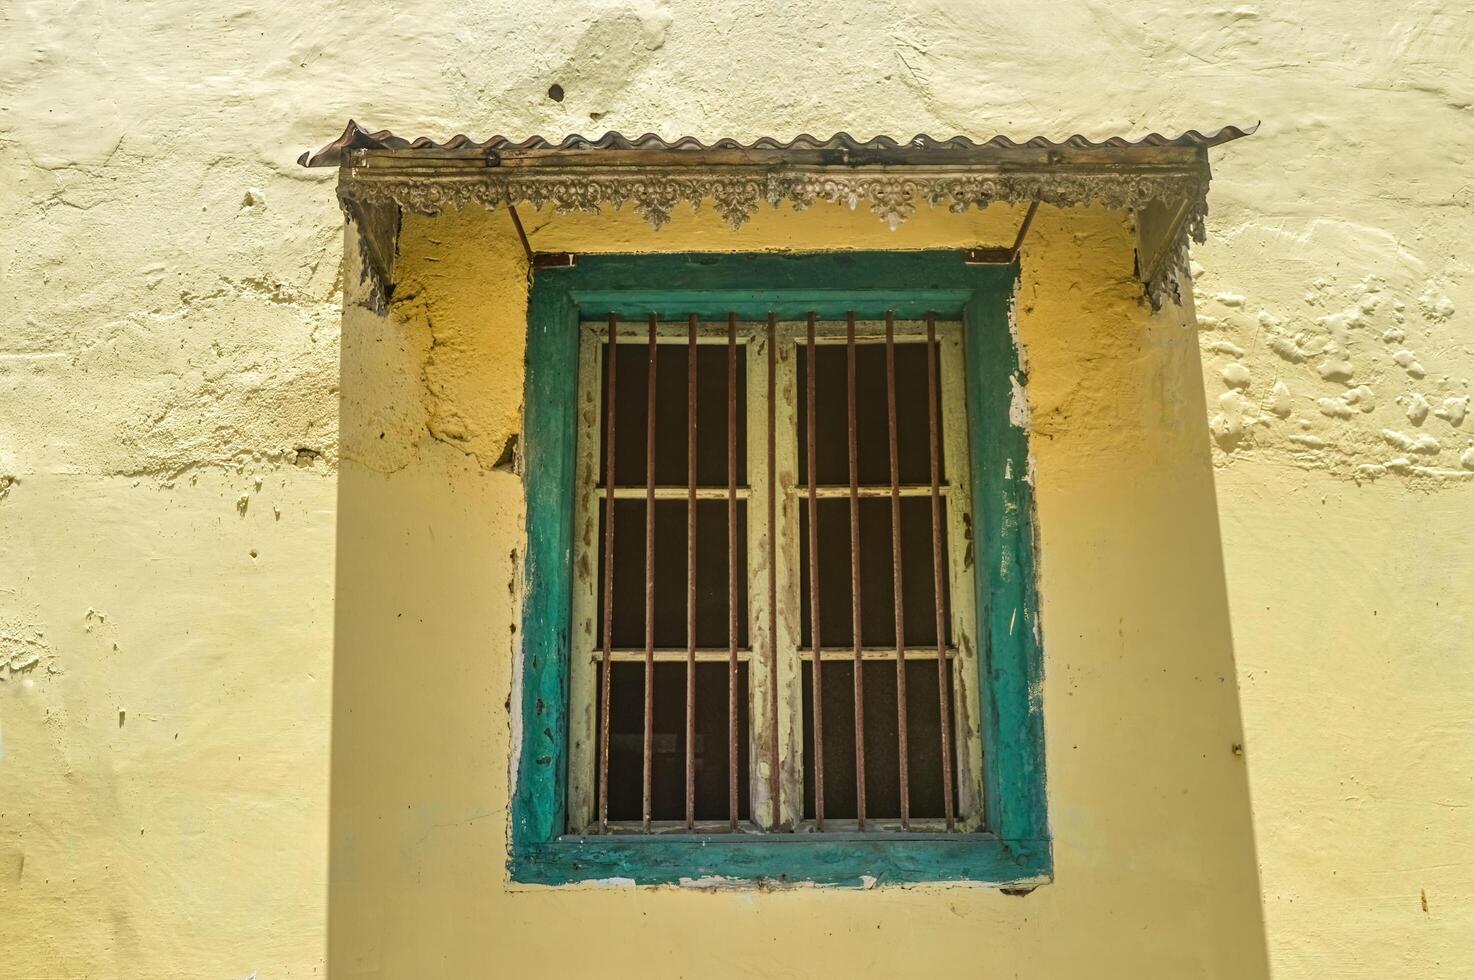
[[840, 148]]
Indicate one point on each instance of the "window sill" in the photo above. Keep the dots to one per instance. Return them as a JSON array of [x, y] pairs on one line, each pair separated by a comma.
[[854, 860]]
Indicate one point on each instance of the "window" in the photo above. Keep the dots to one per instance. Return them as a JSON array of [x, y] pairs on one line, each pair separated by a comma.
[[724, 621], [675, 578]]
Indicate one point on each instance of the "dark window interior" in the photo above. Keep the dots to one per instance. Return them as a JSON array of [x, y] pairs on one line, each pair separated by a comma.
[[713, 595], [668, 756]]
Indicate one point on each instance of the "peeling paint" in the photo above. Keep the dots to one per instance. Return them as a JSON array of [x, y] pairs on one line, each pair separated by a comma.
[[174, 329]]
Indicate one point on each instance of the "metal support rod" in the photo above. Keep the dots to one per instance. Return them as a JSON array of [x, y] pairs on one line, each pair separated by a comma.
[[855, 617], [521, 234], [896, 583], [1023, 229], [1004, 256], [604, 678], [732, 668], [818, 685], [938, 579], [692, 325], [649, 734]]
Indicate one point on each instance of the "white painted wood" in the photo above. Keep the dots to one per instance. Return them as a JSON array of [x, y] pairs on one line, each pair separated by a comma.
[[673, 493], [790, 610], [714, 332], [831, 491], [783, 527], [704, 655], [762, 729], [966, 678], [583, 637]]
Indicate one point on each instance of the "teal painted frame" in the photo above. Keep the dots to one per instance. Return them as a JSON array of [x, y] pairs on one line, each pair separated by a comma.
[[1016, 847]]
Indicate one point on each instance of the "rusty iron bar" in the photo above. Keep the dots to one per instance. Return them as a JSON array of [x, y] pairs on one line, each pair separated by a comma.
[[649, 735], [774, 782], [692, 325], [859, 685], [521, 233], [604, 679], [1023, 229], [938, 580], [896, 586], [817, 686], [732, 569]]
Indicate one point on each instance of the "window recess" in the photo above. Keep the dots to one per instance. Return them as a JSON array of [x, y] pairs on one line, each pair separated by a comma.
[[704, 615]]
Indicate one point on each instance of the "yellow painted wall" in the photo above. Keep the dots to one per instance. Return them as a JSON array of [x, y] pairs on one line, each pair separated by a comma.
[[1239, 521]]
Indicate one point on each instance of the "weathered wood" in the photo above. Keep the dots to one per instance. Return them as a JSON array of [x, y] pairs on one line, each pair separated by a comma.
[[960, 467], [1008, 719], [761, 730], [584, 633], [853, 861], [550, 428], [785, 528], [1010, 653]]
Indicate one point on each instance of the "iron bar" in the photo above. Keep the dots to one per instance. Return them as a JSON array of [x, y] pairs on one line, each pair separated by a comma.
[[938, 579], [773, 753], [732, 569], [720, 654], [649, 734], [827, 491], [868, 333], [817, 686], [840, 830], [1023, 229], [703, 655], [691, 325], [708, 493], [859, 685], [896, 584], [521, 233], [604, 680]]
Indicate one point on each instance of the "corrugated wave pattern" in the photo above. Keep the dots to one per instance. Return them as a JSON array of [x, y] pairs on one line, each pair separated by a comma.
[[356, 137]]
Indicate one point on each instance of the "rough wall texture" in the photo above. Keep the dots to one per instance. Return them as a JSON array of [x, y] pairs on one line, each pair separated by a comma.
[[170, 425], [1135, 617]]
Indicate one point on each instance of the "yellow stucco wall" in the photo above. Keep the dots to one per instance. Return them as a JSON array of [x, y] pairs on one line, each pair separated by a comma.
[[221, 549]]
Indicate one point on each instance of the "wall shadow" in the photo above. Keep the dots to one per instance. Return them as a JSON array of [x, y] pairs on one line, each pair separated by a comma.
[[1141, 697]]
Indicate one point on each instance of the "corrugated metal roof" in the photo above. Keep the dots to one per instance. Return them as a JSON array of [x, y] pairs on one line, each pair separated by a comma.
[[356, 137]]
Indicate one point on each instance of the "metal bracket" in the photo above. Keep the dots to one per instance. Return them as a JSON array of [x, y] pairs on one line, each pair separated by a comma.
[[1160, 237], [378, 242], [539, 260], [1003, 256]]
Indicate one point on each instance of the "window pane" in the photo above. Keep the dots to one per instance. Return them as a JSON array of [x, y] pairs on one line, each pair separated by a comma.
[[877, 602], [831, 428], [882, 771], [668, 760], [670, 574], [671, 404]]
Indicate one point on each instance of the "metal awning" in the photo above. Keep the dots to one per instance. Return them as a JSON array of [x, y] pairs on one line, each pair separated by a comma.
[[1162, 180]]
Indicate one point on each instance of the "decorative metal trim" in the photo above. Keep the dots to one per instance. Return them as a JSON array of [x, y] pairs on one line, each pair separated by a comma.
[[737, 192]]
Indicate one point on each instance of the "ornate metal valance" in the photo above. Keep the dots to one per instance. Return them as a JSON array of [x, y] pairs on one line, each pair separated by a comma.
[[1162, 180]]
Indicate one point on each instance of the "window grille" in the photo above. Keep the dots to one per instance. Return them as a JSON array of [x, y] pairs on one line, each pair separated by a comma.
[[743, 488]]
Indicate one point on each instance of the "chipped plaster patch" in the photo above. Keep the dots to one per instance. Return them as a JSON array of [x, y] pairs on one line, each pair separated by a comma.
[[24, 650], [1349, 352]]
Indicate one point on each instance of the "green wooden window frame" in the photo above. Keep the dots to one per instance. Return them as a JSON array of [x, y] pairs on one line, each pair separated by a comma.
[[1014, 847]]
